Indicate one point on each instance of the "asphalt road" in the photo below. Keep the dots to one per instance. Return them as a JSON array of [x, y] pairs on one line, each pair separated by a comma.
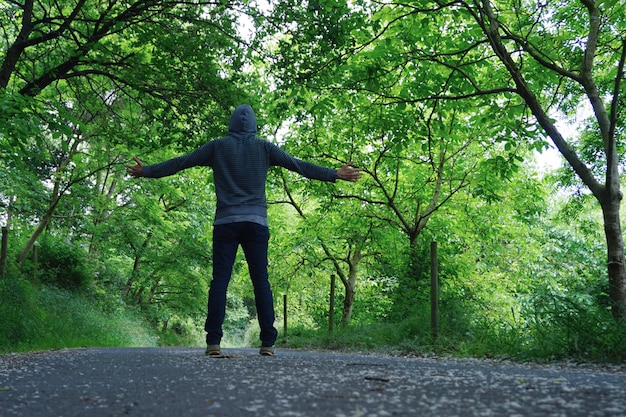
[[169, 382]]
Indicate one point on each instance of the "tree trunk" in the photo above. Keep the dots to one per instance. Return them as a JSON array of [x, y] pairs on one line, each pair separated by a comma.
[[615, 259], [348, 303], [101, 215], [133, 275], [136, 263], [349, 283], [14, 52], [153, 290], [45, 220], [57, 193]]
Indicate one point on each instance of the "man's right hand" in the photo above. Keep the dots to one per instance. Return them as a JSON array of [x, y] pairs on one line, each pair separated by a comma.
[[135, 171]]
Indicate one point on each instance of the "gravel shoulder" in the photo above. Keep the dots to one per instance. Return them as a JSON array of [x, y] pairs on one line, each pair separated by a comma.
[[183, 382]]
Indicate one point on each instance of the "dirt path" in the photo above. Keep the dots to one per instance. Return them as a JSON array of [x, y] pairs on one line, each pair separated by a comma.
[[172, 382]]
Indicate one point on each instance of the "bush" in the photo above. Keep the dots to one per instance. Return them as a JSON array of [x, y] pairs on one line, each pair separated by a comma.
[[179, 331], [564, 324], [36, 317], [20, 313], [63, 264]]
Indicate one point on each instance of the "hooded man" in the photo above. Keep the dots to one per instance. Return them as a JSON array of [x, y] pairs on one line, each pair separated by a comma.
[[240, 162]]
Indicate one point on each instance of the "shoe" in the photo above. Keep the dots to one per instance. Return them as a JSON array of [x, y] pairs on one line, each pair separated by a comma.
[[266, 351], [213, 350]]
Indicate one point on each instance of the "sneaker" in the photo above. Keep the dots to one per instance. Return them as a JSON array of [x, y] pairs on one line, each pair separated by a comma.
[[266, 351], [213, 350]]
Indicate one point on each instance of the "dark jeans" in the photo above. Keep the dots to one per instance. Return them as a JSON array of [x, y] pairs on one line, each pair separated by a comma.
[[253, 239]]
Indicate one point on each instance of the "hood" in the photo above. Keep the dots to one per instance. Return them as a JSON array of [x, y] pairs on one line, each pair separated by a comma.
[[242, 122]]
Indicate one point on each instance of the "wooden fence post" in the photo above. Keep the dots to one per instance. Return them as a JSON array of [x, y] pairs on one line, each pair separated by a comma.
[[331, 310], [285, 317], [3, 251], [35, 261], [434, 291]]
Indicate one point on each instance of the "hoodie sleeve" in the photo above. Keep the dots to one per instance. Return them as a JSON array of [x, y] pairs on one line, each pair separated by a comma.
[[278, 157], [200, 157]]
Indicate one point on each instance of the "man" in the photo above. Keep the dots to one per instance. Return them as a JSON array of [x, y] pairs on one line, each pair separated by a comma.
[[240, 162]]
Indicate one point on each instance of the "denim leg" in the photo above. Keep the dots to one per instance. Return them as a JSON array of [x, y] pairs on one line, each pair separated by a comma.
[[225, 244], [254, 241]]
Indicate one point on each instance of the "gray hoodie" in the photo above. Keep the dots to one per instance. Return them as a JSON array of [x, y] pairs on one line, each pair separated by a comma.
[[240, 162]]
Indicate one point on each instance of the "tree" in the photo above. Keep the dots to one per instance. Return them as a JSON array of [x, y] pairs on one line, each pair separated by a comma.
[[80, 77], [558, 56], [372, 99], [328, 229], [520, 65]]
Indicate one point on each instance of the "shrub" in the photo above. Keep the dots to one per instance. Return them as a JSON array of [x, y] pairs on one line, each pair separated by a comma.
[[36, 317], [20, 312], [63, 264]]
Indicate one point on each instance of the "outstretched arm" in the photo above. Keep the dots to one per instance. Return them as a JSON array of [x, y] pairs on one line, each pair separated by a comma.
[[278, 157], [200, 157], [349, 173]]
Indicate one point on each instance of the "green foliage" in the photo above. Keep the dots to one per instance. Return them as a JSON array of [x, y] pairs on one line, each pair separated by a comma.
[[240, 324], [548, 327], [373, 303], [19, 120], [21, 312], [531, 287], [44, 317], [418, 100], [181, 331], [564, 324], [63, 264]]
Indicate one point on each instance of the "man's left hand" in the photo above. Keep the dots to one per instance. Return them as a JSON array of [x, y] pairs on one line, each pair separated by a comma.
[[349, 173]]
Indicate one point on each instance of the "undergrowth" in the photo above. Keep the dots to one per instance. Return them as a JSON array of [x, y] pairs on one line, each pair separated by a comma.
[[37, 316], [40, 317]]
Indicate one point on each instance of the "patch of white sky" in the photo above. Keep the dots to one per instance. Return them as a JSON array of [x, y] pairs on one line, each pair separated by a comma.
[[245, 22]]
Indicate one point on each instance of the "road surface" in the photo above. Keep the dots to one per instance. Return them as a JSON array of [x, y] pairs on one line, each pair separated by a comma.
[[172, 382]]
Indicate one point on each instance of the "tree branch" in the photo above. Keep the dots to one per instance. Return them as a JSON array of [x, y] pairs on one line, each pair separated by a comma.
[[491, 27]]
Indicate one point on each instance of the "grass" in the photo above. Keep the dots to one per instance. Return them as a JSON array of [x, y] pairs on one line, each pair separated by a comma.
[[409, 336], [40, 317], [412, 336]]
